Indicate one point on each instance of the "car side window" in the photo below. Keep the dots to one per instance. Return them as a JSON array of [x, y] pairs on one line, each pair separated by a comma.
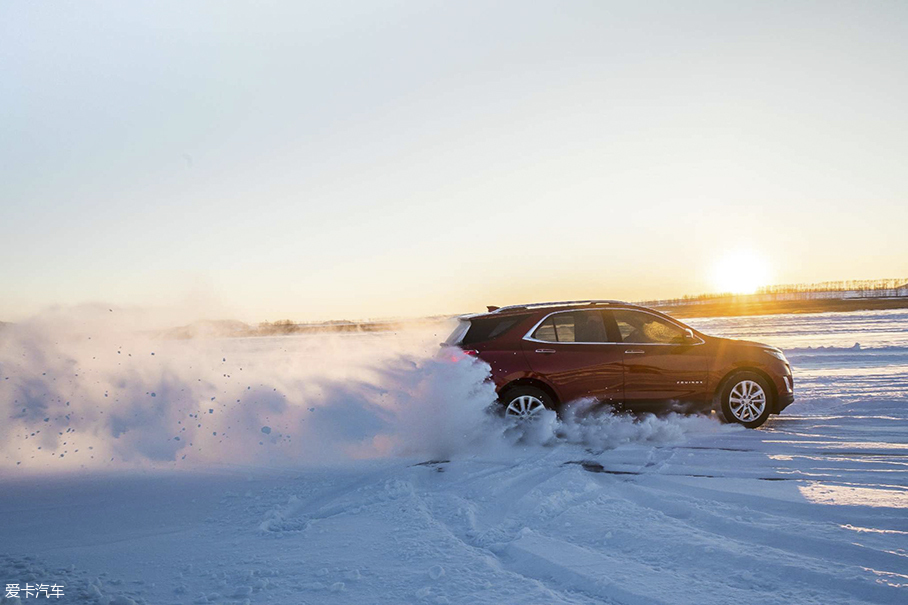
[[642, 328], [564, 327], [576, 326], [546, 331]]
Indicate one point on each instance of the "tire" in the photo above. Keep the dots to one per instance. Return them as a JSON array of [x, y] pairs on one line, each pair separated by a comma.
[[746, 399], [525, 402]]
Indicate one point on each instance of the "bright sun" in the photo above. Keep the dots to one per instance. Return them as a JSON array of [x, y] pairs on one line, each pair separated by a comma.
[[740, 272]]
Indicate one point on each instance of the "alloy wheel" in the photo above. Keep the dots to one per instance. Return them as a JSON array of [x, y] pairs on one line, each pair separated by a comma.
[[525, 406], [747, 401]]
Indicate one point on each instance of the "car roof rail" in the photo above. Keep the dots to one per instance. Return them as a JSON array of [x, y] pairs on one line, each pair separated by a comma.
[[562, 303]]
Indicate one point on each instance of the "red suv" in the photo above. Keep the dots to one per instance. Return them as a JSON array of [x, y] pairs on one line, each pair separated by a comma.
[[629, 357]]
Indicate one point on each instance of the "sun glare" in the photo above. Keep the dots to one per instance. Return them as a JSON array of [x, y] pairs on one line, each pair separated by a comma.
[[740, 272]]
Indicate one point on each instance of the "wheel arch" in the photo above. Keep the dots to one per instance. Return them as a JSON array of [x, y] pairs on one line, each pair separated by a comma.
[[773, 391], [531, 382]]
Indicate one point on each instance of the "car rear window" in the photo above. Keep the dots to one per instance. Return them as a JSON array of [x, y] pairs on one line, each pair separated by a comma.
[[487, 328], [457, 334]]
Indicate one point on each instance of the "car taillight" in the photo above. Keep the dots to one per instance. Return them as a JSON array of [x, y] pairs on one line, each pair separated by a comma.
[[455, 354]]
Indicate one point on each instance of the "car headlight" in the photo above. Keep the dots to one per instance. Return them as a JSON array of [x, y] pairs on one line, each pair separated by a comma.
[[777, 354]]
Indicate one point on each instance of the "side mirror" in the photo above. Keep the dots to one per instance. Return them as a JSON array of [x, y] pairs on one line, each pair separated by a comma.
[[689, 335]]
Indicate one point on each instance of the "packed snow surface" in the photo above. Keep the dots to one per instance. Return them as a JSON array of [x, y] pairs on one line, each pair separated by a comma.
[[366, 469]]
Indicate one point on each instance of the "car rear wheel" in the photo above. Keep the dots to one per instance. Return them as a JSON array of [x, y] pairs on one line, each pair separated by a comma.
[[525, 402], [746, 399]]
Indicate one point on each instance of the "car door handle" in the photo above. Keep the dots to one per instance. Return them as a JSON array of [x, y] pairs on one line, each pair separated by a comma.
[[545, 351], [634, 352]]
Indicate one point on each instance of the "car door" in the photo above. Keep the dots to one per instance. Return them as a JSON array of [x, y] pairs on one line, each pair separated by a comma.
[[574, 352], [664, 368]]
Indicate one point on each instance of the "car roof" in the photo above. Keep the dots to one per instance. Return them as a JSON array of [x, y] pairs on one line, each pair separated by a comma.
[[549, 307]]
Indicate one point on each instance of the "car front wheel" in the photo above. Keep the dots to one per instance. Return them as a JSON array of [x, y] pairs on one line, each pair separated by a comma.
[[746, 399]]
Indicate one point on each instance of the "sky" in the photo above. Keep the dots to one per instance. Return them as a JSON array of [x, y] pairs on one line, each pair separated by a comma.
[[328, 160]]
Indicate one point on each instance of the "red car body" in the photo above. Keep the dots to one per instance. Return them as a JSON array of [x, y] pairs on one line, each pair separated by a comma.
[[623, 355]]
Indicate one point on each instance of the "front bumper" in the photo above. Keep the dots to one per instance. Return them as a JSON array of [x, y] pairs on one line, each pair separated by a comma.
[[786, 393], [784, 401]]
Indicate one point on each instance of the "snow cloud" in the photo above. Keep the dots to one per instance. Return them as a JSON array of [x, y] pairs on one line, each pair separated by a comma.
[[95, 388]]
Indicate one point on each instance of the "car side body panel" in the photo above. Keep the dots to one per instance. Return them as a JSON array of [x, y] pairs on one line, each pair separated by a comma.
[[579, 371], [666, 376]]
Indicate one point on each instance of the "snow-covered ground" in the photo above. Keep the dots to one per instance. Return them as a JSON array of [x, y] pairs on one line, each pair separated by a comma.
[[361, 469]]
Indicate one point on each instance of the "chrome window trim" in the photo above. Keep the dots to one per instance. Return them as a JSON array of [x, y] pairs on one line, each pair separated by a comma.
[[529, 338]]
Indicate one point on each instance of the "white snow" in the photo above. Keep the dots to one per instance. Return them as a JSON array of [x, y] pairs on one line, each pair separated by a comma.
[[383, 480]]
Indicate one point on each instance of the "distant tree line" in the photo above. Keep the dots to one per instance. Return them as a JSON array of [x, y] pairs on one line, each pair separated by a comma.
[[288, 326], [852, 285], [856, 288], [281, 326]]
